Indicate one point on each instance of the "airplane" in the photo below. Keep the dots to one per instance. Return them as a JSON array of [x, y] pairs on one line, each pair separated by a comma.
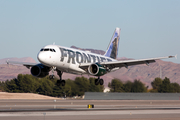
[[74, 61]]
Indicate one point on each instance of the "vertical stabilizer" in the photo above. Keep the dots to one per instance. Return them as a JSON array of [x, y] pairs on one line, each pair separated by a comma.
[[112, 50]]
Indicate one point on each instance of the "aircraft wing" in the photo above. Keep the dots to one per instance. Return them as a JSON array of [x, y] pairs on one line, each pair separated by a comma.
[[28, 65], [125, 63]]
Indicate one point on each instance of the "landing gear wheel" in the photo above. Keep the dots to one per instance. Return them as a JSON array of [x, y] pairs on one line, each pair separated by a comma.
[[51, 77], [63, 82], [101, 81], [58, 82], [96, 81]]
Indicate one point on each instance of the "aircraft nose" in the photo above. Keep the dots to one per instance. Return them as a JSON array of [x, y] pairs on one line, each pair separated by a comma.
[[41, 57]]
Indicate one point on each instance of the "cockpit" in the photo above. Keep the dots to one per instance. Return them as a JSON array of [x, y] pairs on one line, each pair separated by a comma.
[[48, 49]]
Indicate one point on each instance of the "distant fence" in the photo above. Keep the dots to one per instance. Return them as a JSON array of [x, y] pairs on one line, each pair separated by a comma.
[[131, 96]]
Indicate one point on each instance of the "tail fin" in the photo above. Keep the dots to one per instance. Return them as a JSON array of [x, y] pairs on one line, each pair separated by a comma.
[[112, 50]]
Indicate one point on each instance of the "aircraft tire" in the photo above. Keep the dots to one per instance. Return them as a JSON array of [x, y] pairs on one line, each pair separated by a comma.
[[96, 81], [101, 81], [51, 77], [58, 82], [63, 82]]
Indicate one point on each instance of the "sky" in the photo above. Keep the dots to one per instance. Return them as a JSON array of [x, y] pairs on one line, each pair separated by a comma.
[[149, 28]]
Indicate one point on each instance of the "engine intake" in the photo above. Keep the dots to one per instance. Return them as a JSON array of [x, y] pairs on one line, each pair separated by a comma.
[[96, 69], [40, 70]]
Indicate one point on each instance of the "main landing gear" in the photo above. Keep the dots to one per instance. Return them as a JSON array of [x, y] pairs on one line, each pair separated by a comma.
[[60, 81], [99, 81]]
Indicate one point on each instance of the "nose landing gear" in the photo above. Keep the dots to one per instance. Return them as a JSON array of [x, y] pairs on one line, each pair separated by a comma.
[[51, 77]]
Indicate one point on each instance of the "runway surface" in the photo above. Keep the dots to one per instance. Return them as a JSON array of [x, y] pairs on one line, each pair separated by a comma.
[[77, 110]]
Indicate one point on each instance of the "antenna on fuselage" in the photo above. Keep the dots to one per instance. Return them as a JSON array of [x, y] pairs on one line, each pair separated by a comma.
[[53, 43]]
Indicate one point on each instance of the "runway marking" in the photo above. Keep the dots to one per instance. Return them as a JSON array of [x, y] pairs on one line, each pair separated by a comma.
[[84, 108], [75, 113]]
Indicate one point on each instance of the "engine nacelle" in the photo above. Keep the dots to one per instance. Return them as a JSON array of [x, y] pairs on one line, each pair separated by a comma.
[[96, 69], [40, 70]]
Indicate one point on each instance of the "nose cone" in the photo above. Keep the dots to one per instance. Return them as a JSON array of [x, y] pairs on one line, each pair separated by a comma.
[[41, 57]]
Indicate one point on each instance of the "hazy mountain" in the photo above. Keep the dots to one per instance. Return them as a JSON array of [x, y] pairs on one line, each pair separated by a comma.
[[24, 59], [143, 72], [11, 71]]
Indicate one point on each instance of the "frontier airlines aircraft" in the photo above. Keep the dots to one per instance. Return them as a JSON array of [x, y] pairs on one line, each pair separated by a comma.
[[69, 60]]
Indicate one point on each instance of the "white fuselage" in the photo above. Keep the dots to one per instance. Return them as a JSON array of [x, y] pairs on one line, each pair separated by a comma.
[[68, 59]]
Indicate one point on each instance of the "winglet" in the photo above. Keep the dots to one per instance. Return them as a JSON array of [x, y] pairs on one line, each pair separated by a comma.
[[176, 56], [7, 61], [173, 56]]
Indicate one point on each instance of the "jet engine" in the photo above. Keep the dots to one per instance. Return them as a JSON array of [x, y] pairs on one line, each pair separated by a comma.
[[96, 69], [40, 70]]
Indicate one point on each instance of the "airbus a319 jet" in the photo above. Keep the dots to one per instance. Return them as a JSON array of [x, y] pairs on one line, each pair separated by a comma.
[[69, 60]]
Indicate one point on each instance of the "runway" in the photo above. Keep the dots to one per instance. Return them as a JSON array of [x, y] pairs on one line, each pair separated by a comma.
[[77, 109]]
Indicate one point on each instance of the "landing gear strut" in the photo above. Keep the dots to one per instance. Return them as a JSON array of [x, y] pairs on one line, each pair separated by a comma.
[[60, 81], [99, 81], [52, 76]]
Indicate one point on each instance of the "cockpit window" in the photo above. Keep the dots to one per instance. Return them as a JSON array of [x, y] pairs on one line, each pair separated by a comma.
[[48, 49]]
